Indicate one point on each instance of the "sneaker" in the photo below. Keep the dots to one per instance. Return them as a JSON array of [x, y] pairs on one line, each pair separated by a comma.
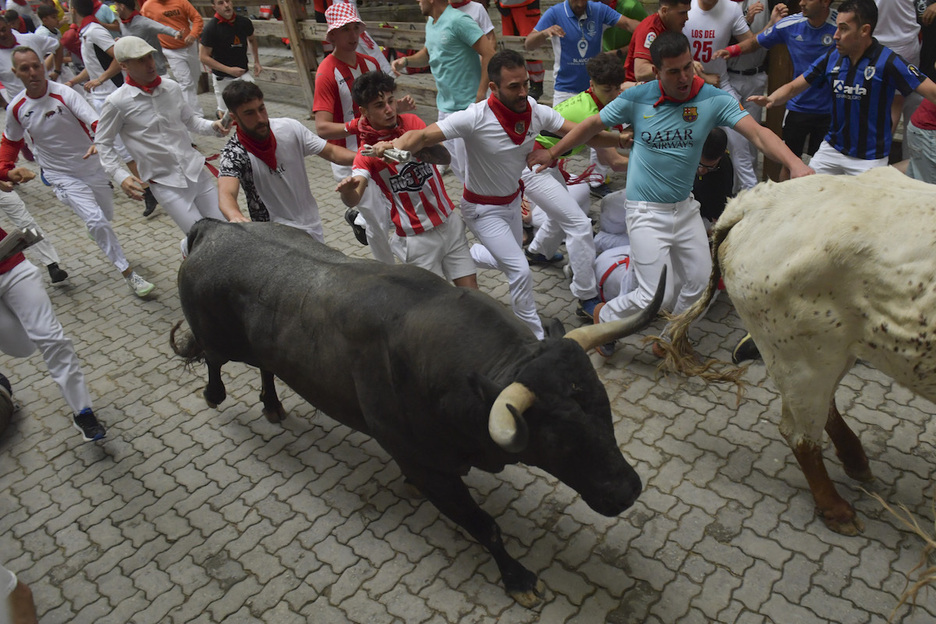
[[149, 200], [607, 349], [536, 90], [600, 191], [86, 422], [360, 233], [7, 406], [538, 258], [57, 274], [43, 178], [745, 350], [138, 285], [586, 308]]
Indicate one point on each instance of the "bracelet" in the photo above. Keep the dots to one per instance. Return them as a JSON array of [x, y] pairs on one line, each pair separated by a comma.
[[405, 61], [733, 50]]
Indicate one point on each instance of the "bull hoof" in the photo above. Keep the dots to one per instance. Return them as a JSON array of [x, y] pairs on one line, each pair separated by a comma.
[[275, 415], [213, 401], [849, 526], [862, 474], [531, 598]]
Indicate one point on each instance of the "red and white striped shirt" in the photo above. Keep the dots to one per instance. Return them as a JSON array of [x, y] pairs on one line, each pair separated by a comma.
[[333, 81], [418, 201]]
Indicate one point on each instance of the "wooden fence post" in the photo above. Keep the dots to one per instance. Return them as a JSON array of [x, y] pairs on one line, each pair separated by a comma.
[[303, 50]]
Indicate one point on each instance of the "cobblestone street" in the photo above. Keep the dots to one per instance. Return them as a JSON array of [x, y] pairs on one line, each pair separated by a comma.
[[187, 514]]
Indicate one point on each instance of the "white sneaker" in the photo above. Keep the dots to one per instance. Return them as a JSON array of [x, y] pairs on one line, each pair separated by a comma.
[[138, 285]]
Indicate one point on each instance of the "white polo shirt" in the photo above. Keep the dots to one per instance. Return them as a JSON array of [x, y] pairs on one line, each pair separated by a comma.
[[59, 125], [494, 161], [155, 130]]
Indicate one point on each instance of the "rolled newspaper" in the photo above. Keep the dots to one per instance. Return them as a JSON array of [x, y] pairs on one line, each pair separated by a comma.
[[391, 153]]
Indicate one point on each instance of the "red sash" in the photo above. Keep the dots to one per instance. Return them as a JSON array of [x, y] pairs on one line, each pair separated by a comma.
[[492, 200]]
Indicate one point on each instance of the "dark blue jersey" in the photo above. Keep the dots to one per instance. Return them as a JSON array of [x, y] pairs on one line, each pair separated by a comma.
[[862, 97]]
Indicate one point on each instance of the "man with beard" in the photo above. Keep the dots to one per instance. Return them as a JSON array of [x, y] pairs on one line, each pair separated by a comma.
[[499, 133], [671, 118], [57, 119], [153, 118], [266, 157], [428, 233]]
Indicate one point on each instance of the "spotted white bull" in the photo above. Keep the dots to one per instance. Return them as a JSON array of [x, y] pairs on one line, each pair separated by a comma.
[[823, 270]]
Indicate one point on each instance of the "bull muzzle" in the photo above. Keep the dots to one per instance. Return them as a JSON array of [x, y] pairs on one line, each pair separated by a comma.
[[506, 424], [592, 336]]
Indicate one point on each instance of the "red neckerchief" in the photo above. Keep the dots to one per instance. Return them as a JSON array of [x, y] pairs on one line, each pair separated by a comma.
[[21, 2], [514, 124], [369, 135], [222, 20], [598, 103], [693, 91], [458, 5], [147, 88], [130, 19], [264, 150], [87, 20]]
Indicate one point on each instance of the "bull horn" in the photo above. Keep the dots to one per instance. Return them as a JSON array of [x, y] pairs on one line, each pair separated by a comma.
[[506, 423], [592, 336]]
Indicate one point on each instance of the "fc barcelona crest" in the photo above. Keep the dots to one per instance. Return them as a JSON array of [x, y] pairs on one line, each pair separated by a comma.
[[690, 113], [520, 128]]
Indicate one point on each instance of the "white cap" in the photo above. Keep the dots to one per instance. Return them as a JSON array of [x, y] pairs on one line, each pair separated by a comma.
[[129, 48]]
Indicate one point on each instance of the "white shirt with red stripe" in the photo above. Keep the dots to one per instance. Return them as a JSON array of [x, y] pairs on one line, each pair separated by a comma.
[[333, 82], [43, 46], [418, 201], [59, 125], [495, 162]]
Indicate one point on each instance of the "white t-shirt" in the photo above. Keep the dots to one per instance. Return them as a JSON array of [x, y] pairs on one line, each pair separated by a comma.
[[710, 31], [96, 35], [43, 46], [897, 28], [285, 192], [478, 13], [494, 161], [58, 125]]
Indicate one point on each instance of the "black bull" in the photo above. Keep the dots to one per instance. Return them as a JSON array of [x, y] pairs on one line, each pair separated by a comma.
[[445, 379]]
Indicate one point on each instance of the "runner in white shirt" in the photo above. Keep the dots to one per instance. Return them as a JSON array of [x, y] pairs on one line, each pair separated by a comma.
[[267, 157], [58, 123], [478, 13], [9, 39], [499, 133], [153, 117], [710, 27]]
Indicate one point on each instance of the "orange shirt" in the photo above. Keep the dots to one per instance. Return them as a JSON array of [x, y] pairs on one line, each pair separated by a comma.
[[178, 14]]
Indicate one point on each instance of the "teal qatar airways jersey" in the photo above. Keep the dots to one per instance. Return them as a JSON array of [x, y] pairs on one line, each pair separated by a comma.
[[668, 137]]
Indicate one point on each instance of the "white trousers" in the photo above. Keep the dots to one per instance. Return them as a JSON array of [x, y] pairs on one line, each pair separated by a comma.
[[442, 250], [28, 322], [662, 233], [220, 83], [186, 69], [199, 200], [375, 209], [457, 149], [500, 230], [741, 150], [829, 160], [15, 209], [92, 199], [565, 220], [746, 86]]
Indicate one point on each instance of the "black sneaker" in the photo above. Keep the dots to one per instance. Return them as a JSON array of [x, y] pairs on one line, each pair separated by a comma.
[[600, 191], [586, 307], [536, 90], [538, 258], [745, 350], [360, 233], [150, 201], [57, 274], [88, 425]]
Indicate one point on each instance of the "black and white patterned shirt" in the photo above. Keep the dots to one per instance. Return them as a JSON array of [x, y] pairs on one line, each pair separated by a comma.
[[235, 163]]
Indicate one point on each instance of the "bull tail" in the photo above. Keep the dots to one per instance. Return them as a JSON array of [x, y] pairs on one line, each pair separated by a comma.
[[187, 347], [679, 357]]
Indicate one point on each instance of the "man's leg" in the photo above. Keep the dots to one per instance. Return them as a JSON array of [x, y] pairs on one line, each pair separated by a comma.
[[375, 210], [565, 219], [186, 69], [15, 209], [689, 255], [500, 231]]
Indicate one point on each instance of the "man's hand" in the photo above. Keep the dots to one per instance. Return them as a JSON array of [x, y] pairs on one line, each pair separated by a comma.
[[238, 217], [779, 12], [237, 72], [928, 15], [539, 159], [257, 69], [345, 185], [399, 65], [189, 39], [19, 175], [554, 31], [6, 187], [91, 152], [133, 187], [405, 104], [763, 101], [91, 85], [219, 128], [179, 35], [753, 10], [801, 170]]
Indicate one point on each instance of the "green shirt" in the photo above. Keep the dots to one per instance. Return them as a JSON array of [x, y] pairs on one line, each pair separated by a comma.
[[577, 108], [615, 38]]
